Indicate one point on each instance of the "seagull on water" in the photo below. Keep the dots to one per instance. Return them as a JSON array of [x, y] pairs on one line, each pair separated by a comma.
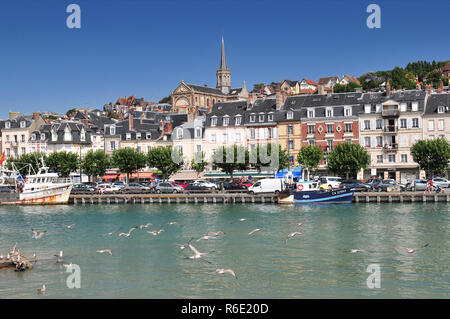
[[222, 271], [70, 226], [101, 251], [206, 237], [129, 232], [42, 290], [67, 265], [37, 234], [291, 235], [354, 251], [215, 233], [254, 231], [197, 254], [175, 223], [156, 232], [59, 256], [412, 250]]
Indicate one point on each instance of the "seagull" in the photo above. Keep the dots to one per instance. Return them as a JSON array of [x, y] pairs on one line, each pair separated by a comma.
[[59, 256], [148, 225], [292, 235], [175, 223], [34, 257], [240, 220], [221, 271], [198, 255], [254, 231], [298, 224], [108, 234], [101, 251], [156, 232], [206, 237], [67, 265], [129, 232], [70, 226], [182, 247], [37, 234], [412, 250], [42, 290], [353, 251], [215, 233]]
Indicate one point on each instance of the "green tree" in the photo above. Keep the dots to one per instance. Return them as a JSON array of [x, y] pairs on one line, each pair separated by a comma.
[[166, 159], [434, 78], [95, 163], [309, 157], [262, 156], [231, 158], [71, 112], [431, 155], [351, 87], [128, 160], [347, 159], [63, 163], [198, 163], [167, 99], [257, 87], [27, 163]]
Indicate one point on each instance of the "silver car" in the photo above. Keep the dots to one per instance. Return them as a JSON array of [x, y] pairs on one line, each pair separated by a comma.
[[442, 182]]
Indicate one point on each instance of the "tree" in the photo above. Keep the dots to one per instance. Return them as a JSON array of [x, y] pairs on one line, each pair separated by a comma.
[[434, 78], [351, 87], [63, 163], [309, 157], [231, 158], [431, 155], [25, 161], [257, 87], [128, 160], [347, 159], [262, 156], [166, 159], [95, 163], [167, 99], [198, 163], [71, 112]]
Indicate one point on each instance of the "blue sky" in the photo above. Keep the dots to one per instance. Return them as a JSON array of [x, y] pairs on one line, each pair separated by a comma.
[[146, 47]]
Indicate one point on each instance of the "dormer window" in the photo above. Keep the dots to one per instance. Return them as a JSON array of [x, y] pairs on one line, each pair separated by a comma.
[[33, 137], [270, 117], [23, 124], [261, 117], [42, 137], [83, 136], [226, 121], [213, 121], [138, 136], [198, 132], [8, 124], [290, 115], [238, 120], [128, 136], [348, 111], [180, 133], [310, 113], [148, 136], [367, 108], [112, 130], [54, 135], [441, 109], [67, 134], [329, 112], [403, 107], [415, 106], [252, 118]]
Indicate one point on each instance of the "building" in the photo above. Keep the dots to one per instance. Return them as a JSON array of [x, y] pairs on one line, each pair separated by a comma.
[[326, 85], [187, 98], [308, 86], [290, 87], [346, 79], [390, 123], [187, 138]]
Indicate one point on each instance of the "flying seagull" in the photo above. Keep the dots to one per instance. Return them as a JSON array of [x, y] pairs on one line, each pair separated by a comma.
[[291, 235], [101, 251], [37, 234], [197, 254], [215, 233], [254, 231], [221, 271], [127, 234]]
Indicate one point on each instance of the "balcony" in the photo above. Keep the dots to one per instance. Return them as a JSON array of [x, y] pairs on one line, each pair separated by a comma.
[[390, 111], [390, 147], [390, 129], [310, 135]]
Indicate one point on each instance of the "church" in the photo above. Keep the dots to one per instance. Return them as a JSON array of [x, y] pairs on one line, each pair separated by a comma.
[[191, 98]]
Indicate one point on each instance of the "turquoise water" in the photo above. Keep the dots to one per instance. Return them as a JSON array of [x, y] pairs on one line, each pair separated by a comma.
[[314, 264]]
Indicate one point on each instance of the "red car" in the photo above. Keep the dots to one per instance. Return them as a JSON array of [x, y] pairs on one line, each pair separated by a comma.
[[182, 184]]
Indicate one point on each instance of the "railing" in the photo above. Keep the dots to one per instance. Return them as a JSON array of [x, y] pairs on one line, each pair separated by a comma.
[[390, 147], [390, 112], [390, 128]]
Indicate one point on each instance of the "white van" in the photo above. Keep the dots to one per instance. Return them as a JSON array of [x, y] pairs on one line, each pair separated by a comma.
[[331, 181], [267, 185]]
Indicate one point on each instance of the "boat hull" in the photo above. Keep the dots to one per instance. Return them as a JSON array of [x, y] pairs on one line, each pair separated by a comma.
[[339, 196], [49, 196]]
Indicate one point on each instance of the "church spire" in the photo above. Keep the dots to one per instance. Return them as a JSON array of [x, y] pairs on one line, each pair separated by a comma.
[[223, 59]]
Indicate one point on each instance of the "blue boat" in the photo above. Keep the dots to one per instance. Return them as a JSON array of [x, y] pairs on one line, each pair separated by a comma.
[[342, 195]]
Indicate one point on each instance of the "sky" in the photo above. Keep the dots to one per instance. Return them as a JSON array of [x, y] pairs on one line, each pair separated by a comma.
[[146, 47]]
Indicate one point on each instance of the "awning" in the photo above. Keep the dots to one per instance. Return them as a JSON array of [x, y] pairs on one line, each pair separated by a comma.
[[186, 175], [146, 175], [110, 176], [239, 174]]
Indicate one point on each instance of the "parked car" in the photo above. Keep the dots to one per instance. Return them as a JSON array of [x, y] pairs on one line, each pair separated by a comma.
[[442, 182], [182, 184], [196, 187], [209, 185], [233, 185], [135, 187], [121, 185], [389, 185], [5, 189], [331, 181], [83, 188], [372, 182], [267, 185], [357, 185], [166, 187], [106, 188], [421, 185]]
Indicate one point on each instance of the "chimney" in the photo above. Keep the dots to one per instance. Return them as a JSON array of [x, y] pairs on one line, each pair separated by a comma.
[[13, 115], [279, 99], [428, 88], [36, 115], [85, 121], [388, 89], [441, 87], [131, 120]]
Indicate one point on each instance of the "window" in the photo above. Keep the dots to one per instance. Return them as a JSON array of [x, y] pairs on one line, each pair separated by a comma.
[[310, 113], [379, 141], [348, 128], [415, 106], [290, 115], [348, 111], [225, 138], [270, 117], [367, 125], [261, 117], [415, 123], [148, 136], [198, 132], [198, 148], [312, 142], [180, 133], [403, 123], [138, 136], [22, 124], [252, 118], [33, 137], [128, 136], [329, 112], [113, 145], [42, 137], [391, 158], [441, 109], [404, 158], [226, 121], [149, 148], [237, 137], [8, 152], [379, 158], [23, 150], [291, 129], [113, 130], [8, 124], [213, 121], [431, 125], [379, 125], [330, 145], [431, 137], [367, 108], [367, 141], [402, 107], [139, 149], [238, 120], [329, 128], [310, 129], [348, 140], [441, 125], [252, 133], [213, 138], [290, 145], [272, 132]]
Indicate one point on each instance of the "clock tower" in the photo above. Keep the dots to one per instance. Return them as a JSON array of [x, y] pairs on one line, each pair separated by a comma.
[[223, 73]]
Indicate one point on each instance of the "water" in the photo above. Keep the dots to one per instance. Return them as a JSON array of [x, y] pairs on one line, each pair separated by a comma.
[[315, 264]]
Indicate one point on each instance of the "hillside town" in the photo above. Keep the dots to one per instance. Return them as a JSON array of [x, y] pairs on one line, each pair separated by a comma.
[[197, 118]]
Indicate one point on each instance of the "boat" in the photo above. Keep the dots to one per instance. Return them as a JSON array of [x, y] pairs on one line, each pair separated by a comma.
[[302, 194], [41, 188]]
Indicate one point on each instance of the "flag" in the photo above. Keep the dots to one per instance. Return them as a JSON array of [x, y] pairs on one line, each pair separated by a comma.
[[2, 158]]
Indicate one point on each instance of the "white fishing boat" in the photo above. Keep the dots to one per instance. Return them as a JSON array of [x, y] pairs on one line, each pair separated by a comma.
[[41, 188]]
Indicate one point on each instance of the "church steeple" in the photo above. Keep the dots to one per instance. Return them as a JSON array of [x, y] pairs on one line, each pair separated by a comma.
[[223, 72]]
